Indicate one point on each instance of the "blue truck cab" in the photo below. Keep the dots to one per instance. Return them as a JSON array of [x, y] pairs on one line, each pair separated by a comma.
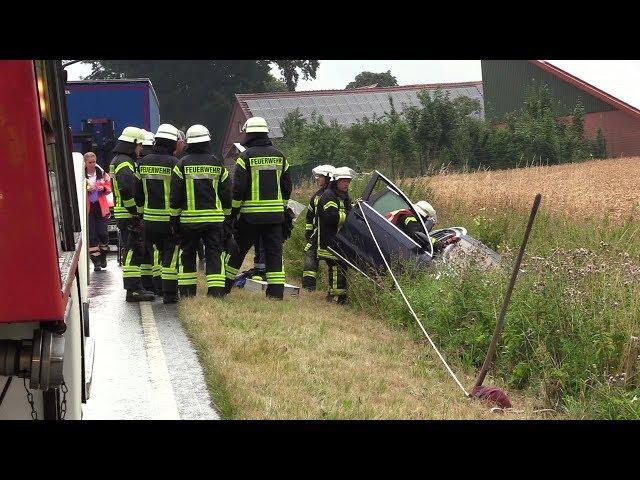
[[98, 111]]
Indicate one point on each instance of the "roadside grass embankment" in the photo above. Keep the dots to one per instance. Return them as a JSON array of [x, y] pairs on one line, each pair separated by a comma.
[[304, 358], [575, 310]]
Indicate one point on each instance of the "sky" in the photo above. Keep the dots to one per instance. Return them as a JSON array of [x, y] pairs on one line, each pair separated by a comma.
[[619, 78]]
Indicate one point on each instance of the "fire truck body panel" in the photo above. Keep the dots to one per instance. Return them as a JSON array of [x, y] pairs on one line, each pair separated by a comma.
[[25, 207]]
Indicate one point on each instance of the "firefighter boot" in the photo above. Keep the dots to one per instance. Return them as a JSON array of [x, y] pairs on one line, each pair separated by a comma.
[[170, 298], [139, 296]]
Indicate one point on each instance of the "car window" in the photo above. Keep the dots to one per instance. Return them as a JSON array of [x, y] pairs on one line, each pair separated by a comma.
[[383, 199]]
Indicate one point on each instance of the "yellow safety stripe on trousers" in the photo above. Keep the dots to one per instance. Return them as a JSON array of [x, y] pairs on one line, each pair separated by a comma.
[[310, 273], [187, 278], [229, 271], [215, 280], [128, 270], [157, 267], [171, 272], [329, 205], [275, 278]]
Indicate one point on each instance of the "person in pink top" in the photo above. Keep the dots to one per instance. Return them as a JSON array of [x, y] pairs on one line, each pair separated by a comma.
[[98, 184]]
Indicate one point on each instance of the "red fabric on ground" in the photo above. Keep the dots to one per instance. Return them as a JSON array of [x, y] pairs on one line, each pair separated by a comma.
[[492, 394]]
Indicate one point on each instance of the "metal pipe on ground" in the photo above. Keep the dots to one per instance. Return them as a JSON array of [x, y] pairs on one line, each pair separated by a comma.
[[492, 393]]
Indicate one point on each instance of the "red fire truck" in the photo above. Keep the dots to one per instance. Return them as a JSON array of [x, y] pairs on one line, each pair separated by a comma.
[[45, 350]]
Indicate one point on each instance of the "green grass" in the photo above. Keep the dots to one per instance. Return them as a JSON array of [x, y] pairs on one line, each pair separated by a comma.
[[574, 307]]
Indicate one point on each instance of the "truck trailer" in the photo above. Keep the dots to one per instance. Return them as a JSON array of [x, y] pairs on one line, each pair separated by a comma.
[[100, 109]]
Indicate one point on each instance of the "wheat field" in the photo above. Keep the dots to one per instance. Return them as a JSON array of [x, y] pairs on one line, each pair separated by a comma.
[[594, 189]]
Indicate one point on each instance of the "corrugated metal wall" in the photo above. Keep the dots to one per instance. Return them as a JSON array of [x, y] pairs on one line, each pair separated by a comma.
[[505, 81]]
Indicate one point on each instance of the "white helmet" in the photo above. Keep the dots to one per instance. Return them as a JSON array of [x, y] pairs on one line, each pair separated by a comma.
[[167, 131], [132, 135], [255, 125], [342, 172], [148, 138], [425, 210], [198, 134], [323, 170]]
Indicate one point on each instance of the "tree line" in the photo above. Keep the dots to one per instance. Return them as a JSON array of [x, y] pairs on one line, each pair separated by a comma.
[[444, 132]]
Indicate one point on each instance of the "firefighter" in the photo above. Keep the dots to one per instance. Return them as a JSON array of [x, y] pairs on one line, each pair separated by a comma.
[[128, 210], [261, 191], [155, 171], [322, 175], [200, 201], [150, 259], [331, 211], [406, 221]]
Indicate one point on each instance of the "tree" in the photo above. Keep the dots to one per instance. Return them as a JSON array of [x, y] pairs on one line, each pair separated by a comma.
[[364, 79], [202, 91], [289, 70]]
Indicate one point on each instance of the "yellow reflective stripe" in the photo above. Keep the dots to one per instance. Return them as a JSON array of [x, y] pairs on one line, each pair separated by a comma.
[[274, 209], [226, 211], [209, 219], [174, 212], [255, 185], [329, 205], [129, 203], [410, 219], [286, 165], [191, 195], [310, 273], [236, 203], [140, 209], [204, 211], [167, 188], [224, 176], [177, 171], [261, 202], [240, 162], [124, 165], [308, 226]]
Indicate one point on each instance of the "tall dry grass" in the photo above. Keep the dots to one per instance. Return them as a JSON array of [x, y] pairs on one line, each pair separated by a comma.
[[587, 190]]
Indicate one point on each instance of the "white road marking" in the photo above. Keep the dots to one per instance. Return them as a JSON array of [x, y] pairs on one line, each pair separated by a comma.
[[163, 400]]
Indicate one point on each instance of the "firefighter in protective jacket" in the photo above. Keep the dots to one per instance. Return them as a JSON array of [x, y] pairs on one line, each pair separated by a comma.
[[149, 259], [155, 171], [332, 210], [200, 202], [261, 191], [322, 174], [128, 208]]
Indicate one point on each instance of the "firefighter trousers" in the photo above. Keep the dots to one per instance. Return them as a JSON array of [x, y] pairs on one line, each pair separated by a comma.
[[133, 253], [165, 250], [337, 281], [212, 234], [146, 267], [270, 236], [310, 269]]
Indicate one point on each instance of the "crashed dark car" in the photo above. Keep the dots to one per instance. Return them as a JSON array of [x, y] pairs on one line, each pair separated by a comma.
[[355, 246]]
